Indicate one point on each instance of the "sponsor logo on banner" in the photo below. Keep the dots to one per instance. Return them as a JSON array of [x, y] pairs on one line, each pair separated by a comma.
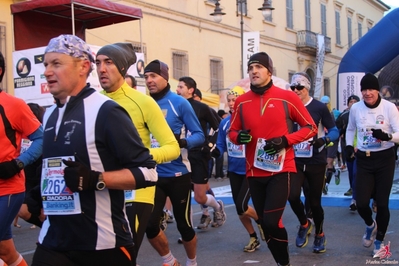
[[39, 59], [24, 82], [23, 67], [44, 88]]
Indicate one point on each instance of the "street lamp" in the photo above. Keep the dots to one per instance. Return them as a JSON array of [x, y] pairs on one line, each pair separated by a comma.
[[266, 9], [217, 17], [217, 13]]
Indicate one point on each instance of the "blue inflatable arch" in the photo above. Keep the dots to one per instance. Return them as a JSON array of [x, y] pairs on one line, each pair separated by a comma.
[[372, 52]]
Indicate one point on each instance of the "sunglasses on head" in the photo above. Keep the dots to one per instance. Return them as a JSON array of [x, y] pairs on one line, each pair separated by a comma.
[[298, 87]]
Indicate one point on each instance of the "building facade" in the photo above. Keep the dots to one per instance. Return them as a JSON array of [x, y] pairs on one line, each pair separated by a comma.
[[183, 34]]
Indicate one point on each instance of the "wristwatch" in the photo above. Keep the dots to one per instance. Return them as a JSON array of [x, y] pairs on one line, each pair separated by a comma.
[[100, 184], [20, 164], [389, 136]]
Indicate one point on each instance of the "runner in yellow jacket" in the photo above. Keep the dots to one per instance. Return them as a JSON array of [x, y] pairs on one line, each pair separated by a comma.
[[112, 63]]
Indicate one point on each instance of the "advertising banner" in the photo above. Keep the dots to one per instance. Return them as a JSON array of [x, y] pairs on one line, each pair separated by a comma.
[[319, 66], [30, 83], [251, 46], [348, 84]]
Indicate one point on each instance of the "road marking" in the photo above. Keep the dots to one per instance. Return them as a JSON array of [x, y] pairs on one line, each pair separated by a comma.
[[332, 199], [27, 252]]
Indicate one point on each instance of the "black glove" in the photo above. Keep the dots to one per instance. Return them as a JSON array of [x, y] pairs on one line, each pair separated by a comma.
[[9, 169], [244, 136], [34, 200], [317, 143], [274, 145], [379, 134], [206, 152], [78, 177], [350, 153], [215, 153], [182, 142]]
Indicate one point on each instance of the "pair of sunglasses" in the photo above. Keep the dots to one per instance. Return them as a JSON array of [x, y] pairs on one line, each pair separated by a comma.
[[298, 87]]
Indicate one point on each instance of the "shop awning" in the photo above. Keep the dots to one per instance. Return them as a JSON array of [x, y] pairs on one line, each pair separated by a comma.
[[36, 22]]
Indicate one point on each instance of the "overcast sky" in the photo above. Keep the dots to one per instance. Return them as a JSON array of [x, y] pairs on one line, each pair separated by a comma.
[[392, 3]]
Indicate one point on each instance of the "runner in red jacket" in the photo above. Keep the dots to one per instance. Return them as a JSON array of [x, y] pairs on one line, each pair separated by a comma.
[[263, 119]]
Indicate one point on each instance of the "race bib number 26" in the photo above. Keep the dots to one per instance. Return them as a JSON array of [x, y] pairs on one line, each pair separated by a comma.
[[58, 199]]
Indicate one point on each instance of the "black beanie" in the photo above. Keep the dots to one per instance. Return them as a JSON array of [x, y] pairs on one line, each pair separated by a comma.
[[221, 113], [159, 68], [122, 54], [369, 81], [263, 59], [198, 93], [353, 97]]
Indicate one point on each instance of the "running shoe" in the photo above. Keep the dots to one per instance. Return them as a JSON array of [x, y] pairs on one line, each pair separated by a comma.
[[325, 189], [175, 263], [348, 193], [337, 177], [252, 245], [353, 206], [369, 235], [262, 234], [303, 235], [219, 217], [319, 244], [380, 250], [204, 222], [170, 219]]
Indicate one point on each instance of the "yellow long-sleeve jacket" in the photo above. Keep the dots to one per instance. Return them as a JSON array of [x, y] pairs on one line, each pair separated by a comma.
[[153, 129]]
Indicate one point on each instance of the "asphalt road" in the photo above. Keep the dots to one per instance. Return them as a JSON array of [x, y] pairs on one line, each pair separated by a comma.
[[224, 246]]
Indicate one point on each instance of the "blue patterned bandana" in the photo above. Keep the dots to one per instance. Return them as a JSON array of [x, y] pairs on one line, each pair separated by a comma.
[[70, 45]]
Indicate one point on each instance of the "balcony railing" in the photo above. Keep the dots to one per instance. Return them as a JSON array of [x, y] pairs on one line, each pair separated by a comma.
[[307, 42]]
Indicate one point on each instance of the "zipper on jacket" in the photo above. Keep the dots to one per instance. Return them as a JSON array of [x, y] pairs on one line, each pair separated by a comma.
[[261, 105]]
